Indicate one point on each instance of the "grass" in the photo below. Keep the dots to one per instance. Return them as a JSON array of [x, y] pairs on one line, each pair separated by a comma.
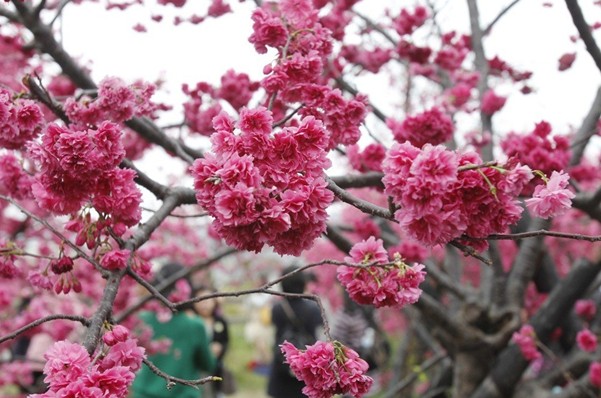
[[239, 354]]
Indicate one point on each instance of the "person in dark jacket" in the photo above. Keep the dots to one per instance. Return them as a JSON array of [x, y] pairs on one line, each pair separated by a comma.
[[282, 383], [217, 329]]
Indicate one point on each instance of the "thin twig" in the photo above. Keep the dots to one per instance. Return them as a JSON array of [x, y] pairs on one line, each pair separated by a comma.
[[543, 232], [172, 380], [45, 223], [488, 29], [76, 318]]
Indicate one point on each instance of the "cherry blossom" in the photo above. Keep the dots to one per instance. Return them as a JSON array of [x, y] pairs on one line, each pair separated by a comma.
[[327, 369]]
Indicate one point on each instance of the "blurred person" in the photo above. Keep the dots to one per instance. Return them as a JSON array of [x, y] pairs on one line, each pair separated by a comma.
[[218, 334], [355, 327], [188, 355], [291, 313]]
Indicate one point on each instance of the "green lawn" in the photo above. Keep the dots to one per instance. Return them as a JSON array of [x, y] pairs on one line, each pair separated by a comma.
[[240, 353]]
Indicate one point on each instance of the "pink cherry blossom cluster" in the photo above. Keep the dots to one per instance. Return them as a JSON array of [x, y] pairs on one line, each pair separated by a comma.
[[380, 285], [431, 126], [81, 166], [412, 52], [21, 120], [492, 103], [15, 182], [293, 28], [370, 60], [368, 159], [263, 188], [585, 309], [551, 198], [538, 150], [498, 67], [525, 338], [115, 260], [70, 371], [327, 369], [594, 374], [438, 203], [586, 340], [453, 51], [14, 60], [236, 88], [116, 101], [408, 21]]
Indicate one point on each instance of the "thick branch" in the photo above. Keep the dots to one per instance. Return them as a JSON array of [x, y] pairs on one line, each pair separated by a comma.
[[510, 365], [360, 204], [481, 65], [525, 265], [92, 335], [142, 234], [587, 129], [585, 31], [371, 179], [334, 235]]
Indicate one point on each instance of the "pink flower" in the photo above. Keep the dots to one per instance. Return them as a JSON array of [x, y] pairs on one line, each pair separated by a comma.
[[327, 369], [492, 103], [432, 126], [566, 61], [368, 251], [594, 374], [124, 353], [585, 309], [538, 150], [525, 338], [552, 199], [255, 121], [381, 286], [115, 259], [117, 334], [587, 341], [66, 363], [113, 382], [408, 21]]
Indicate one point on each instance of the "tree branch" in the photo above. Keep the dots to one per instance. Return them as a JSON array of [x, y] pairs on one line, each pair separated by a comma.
[[172, 380], [481, 65], [76, 318], [585, 31], [488, 29], [587, 129], [360, 204], [510, 365], [369, 179], [167, 283], [544, 232], [525, 265]]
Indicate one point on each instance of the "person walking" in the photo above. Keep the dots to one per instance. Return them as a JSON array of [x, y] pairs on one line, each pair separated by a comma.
[[188, 355], [217, 330], [297, 316]]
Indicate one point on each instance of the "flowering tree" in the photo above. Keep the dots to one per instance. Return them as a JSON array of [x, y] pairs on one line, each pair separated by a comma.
[[482, 239]]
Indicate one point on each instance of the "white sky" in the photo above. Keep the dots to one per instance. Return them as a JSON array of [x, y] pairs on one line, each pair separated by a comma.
[[529, 37]]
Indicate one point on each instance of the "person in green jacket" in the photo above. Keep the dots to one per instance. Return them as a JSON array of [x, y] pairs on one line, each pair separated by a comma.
[[188, 355]]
